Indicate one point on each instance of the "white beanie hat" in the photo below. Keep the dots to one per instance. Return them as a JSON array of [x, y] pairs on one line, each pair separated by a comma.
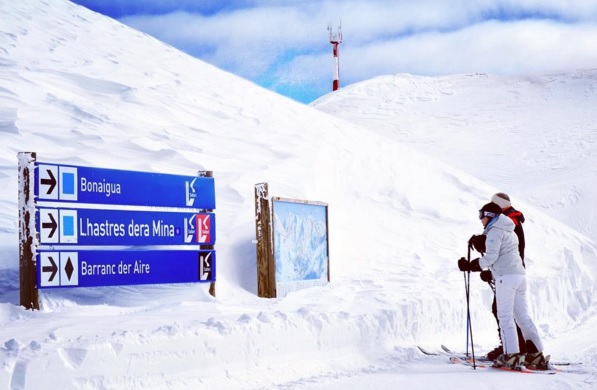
[[502, 200]]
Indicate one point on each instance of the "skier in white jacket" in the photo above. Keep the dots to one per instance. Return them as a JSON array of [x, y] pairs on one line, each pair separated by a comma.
[[503, 259]]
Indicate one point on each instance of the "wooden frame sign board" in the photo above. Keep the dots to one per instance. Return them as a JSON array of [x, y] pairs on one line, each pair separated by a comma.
[[292, 244]]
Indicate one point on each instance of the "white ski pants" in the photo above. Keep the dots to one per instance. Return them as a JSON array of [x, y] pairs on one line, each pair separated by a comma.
[[511, 300]]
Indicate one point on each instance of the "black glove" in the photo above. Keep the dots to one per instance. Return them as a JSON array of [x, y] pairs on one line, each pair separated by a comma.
[[472, 266], [463, 264], [477, 242], [486, 276]]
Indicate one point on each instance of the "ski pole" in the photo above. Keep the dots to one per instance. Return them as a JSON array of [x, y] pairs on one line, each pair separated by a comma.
[[466, 294], [468, 311]]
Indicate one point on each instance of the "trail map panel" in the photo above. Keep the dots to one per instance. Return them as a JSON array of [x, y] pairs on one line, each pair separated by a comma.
[[300, 245]]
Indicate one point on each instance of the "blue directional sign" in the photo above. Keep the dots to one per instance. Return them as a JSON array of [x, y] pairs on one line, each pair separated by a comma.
[[67, 183], [83, 211], [124, 227], [113, 268]]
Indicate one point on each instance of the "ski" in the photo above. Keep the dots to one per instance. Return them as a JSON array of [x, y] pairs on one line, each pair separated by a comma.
[[448, 352], [428, 353], [520, 369], [484, 358], [467, 362], [483, 362]]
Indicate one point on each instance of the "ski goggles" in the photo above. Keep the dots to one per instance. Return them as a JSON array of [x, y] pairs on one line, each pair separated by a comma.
[[483, 214]]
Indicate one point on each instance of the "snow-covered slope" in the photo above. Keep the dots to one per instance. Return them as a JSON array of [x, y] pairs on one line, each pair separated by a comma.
[[82, 89], [533, 136]]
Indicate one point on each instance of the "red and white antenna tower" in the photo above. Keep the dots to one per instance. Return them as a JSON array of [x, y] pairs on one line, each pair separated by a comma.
[[335, 40]]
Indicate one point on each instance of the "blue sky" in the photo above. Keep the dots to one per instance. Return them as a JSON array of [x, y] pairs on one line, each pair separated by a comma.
[[283, 45]]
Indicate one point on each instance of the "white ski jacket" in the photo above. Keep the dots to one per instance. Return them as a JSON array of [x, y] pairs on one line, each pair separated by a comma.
[[501, 246]]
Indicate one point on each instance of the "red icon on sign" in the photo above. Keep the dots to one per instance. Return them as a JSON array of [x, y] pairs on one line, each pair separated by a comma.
[[203, 228]]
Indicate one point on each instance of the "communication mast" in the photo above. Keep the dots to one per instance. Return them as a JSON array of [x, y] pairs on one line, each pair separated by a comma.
[[335, 40]]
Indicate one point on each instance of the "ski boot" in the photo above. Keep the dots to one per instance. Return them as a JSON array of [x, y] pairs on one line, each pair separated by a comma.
[[535, 361], [509, 360], [495, 353]]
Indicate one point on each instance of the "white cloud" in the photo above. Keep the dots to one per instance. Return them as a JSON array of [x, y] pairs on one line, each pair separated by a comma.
[[287, 44]]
